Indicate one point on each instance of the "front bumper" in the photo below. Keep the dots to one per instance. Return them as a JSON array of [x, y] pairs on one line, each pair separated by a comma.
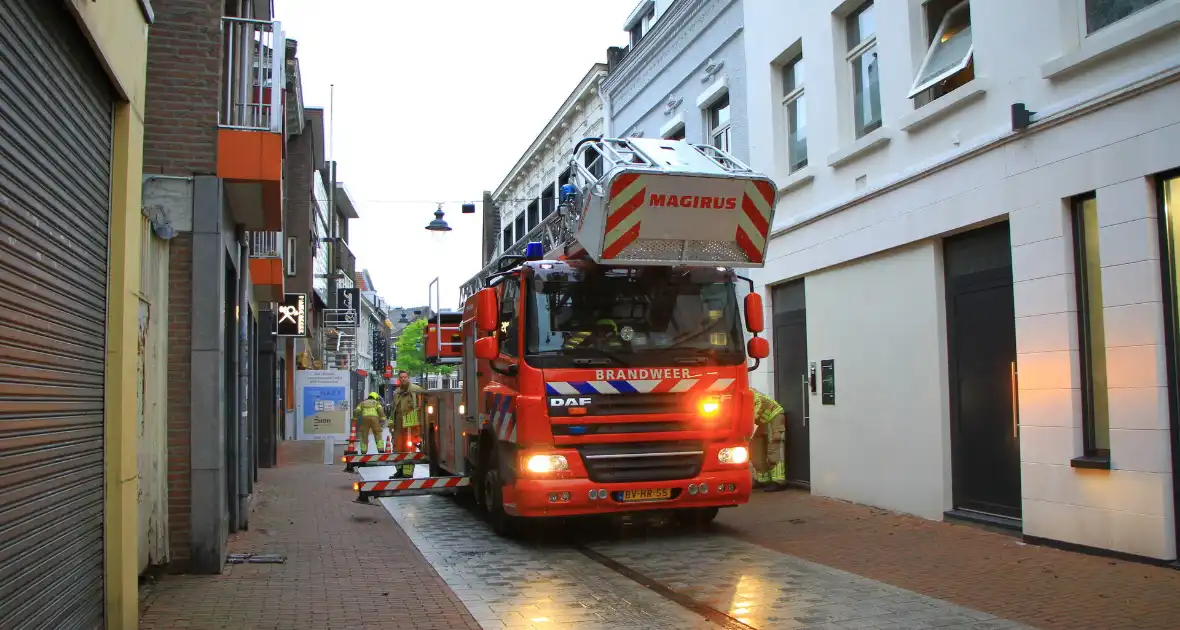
[[533, 497]]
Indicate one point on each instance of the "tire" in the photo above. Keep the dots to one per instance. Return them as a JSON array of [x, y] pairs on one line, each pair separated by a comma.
[[698, 518], [502, 523]]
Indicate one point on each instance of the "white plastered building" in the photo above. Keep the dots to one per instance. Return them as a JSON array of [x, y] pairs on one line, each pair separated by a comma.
[[973, 314]]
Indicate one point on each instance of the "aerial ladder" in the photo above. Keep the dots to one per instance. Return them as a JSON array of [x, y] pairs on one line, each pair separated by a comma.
[[632, 204]]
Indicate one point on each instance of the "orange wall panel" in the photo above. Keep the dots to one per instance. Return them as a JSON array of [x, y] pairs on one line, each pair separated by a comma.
[[267, 272], [249, 156]]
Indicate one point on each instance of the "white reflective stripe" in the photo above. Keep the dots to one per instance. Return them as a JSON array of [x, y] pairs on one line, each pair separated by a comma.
[[721, 384], [603, 387], [502, 432], [564, 388], [684, 385], [623, 226], [627, 193], [418, 483], [512, 438], [644, 387]]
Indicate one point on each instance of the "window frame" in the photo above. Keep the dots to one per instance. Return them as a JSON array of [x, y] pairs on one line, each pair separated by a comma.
[[795, 95], [519, 219], [1084, 20], [289, 262], [918, 88], [510, 314], [853, 54], [713, 112], [1094, 454], [532, 215]]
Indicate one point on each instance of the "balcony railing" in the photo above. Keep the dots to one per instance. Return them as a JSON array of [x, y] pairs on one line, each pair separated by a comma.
[[345, 259], [255, 64], [266, 245]]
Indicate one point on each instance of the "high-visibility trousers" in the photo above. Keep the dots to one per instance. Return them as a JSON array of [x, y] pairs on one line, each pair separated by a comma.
[[370, 425], [766, 451]]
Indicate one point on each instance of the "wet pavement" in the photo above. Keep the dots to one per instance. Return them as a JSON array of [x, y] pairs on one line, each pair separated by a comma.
[[663, 579]]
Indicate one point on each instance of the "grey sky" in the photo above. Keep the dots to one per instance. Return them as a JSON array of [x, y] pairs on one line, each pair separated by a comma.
[[436, 100]]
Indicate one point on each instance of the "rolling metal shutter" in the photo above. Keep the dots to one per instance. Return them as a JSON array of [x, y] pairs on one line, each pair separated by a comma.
[[56, 108]]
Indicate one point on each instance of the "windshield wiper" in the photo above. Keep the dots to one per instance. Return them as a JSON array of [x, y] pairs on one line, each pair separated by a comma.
[[603, 358]]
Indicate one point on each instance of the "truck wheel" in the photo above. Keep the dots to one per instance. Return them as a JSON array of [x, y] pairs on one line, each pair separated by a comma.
[[698, 518], [493, 498]]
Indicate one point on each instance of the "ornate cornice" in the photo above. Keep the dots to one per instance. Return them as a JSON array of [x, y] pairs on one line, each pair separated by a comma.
[[574, 105], [681, 24]]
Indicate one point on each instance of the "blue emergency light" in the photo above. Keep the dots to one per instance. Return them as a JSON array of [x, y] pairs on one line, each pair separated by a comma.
[[567, 192], [534, 251]]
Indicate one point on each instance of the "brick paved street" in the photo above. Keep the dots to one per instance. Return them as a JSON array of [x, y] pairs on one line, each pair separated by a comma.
[[830, 564], [348, 566], [991, 572]]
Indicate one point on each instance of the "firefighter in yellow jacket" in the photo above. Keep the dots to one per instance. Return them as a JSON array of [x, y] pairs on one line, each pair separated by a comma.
[[403, 417], [766, 447], [369, 415]]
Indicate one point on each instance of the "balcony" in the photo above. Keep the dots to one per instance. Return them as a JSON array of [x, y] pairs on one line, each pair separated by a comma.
[[345, 259], [266, 266], [253, 110]]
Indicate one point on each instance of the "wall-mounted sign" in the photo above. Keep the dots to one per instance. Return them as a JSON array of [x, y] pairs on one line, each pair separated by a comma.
[[292, 316], [323, 407], [827, 371], [349, 300]]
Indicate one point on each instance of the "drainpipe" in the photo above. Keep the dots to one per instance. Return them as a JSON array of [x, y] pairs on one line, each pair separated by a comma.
[[243, 383]]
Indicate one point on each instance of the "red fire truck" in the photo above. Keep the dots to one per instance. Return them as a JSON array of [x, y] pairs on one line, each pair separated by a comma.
[[604, 366]]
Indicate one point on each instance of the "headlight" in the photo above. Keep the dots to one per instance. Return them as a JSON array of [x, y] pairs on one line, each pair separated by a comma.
[[709, 406], [733, 455], [546, 463]]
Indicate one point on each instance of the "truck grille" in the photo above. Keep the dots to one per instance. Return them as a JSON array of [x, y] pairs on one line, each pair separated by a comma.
[[616, 428], [628, 405], [643, 461]]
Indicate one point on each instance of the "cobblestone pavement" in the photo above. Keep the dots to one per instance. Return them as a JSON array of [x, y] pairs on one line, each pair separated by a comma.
[[992, 572], [552, 584], [349, 567]]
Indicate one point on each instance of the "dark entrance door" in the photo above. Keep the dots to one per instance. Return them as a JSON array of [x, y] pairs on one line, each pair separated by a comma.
[[981, 332], [790, 369]]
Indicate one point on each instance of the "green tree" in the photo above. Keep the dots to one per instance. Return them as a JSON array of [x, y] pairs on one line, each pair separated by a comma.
[[410, 357]]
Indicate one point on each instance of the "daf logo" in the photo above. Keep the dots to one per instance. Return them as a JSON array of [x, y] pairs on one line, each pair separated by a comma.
[[569, 402]]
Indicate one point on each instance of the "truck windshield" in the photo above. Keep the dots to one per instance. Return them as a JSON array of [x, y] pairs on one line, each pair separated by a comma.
[[632, 316]]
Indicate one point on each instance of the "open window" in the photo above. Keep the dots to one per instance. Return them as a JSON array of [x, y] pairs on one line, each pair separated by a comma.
[[677, 133], [948, 62]]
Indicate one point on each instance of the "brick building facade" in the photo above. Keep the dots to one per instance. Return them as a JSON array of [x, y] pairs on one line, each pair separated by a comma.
[[213, 166]]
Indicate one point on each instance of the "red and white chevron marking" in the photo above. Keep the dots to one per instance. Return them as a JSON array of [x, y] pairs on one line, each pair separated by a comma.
[[404, 458], [413, 484], [754, 221]]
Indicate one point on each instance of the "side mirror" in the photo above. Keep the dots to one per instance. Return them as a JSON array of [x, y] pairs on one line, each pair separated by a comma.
[[487, 310], [758, 348], [487, 349], [754, 313]]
